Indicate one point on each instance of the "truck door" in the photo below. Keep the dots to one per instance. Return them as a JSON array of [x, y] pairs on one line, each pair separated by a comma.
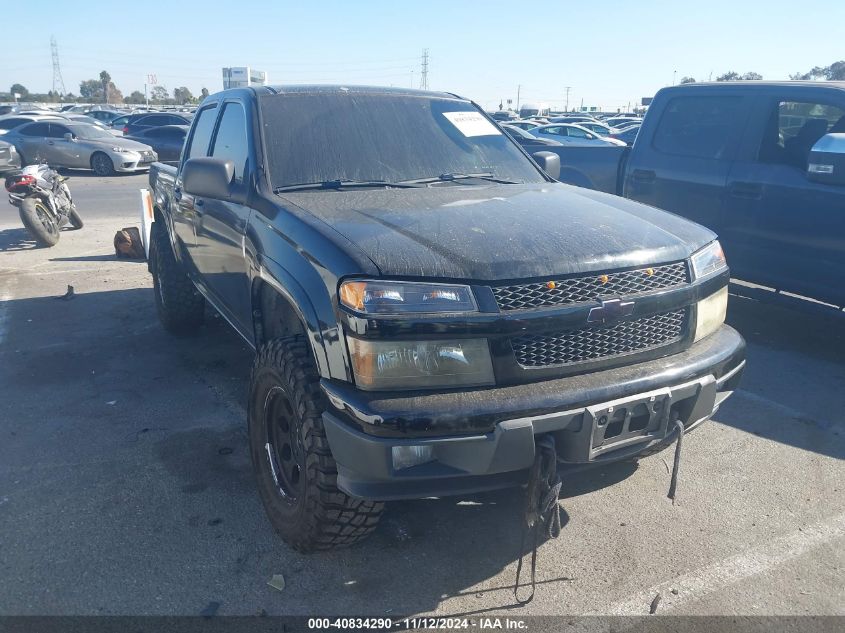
[[680, 161], [781, 229], [221, 225], [184, 204]]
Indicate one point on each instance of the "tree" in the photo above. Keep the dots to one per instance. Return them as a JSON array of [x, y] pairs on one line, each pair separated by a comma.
[[158, 93], [105, 80], [115, 95], [204, 92], [834, 72], [182, 95], [752, 76], [687, 80], [729, 76], [21, 90], [91, 90], [135, 97]]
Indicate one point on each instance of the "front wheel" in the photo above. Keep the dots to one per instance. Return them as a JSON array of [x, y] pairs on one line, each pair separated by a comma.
[[293, 464], [75, 220], [38, 221], [102, 164]]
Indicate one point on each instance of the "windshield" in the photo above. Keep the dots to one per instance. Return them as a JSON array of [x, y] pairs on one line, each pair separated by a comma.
[[320, 137], [89, 132]]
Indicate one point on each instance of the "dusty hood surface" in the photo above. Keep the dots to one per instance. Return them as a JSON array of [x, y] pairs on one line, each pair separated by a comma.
[[500, 232]]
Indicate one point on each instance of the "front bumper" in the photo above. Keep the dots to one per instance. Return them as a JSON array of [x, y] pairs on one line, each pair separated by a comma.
[[484, 439], [131, 162]]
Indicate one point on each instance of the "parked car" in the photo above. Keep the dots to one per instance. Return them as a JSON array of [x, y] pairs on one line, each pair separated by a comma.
[[528, 140], [84, 118], [63, 143], [137, 122], [523, 125], [735, 156], [11, 121], [426, 312], [572, 118], [167, 140], [597, 128], [628, 135], [503, 115], [105, 116], [571, 134], [10, 160], [619, 122]]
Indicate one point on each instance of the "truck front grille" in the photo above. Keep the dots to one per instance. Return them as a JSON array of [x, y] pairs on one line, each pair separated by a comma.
[[600, 342], [590, 287]]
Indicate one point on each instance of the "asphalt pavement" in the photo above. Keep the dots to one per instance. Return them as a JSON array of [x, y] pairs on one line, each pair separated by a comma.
[[126, 487]]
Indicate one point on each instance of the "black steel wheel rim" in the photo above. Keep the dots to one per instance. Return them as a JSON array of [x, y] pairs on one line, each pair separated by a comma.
[[284, 448]]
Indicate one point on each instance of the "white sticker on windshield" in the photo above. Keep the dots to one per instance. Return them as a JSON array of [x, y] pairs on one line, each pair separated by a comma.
[[471, 123]]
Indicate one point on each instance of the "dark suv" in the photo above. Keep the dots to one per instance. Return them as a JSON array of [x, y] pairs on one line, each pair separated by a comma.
[[425, 302], [137, 122]]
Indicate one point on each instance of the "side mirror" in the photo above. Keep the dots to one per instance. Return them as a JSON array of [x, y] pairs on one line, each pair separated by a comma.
[[549, 162], [826, 162], [68, 136], [208, 178]]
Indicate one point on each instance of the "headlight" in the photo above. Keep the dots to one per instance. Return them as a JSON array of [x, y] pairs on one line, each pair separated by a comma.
[[708, 260], [421, 364], [400, 297], [120, 150], [710, 313]]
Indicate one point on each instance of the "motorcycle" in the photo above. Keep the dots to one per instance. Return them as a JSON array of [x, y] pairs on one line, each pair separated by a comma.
[[44, 202]]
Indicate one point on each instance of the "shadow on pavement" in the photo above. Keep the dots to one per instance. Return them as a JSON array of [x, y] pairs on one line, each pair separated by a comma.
[[155, 429], [17, 239], [795, 372]]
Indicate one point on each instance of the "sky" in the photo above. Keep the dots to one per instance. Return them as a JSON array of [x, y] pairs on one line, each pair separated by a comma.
[[610, 54]]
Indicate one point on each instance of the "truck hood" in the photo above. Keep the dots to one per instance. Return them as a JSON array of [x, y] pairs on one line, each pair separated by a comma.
[[501, 231]]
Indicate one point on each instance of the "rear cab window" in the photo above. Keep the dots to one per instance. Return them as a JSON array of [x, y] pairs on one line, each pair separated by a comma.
[[698, 126]]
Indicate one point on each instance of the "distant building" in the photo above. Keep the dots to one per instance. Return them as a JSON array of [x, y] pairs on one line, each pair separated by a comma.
[[243, 76]]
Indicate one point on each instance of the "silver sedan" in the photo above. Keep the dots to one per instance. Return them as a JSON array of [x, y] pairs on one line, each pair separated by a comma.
[[63, 143]]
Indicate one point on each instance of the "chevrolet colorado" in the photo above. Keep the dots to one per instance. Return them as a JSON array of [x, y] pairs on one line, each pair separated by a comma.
[[424, 300]]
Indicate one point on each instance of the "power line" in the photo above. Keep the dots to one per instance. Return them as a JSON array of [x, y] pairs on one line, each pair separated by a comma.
[[424, 70], [58, 82]]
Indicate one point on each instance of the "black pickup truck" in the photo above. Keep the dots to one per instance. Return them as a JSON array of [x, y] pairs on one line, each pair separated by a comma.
[[760, 163], [424, 300]]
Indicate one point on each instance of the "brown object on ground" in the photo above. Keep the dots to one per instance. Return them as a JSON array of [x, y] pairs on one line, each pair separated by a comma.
[[127, 244]]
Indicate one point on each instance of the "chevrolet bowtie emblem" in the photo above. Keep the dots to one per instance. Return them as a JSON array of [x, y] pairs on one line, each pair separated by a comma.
[[610, 310]]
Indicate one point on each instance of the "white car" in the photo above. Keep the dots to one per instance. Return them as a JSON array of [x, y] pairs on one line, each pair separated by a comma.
[[571, 134]]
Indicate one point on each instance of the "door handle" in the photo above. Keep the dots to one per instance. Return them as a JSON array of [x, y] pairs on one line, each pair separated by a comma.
[[198, 202], [177, 193], [643, 176], [50, 143], [747, 190]]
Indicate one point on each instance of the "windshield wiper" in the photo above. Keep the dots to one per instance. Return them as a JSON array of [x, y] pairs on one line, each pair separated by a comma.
[[449, 177], [342, 184]]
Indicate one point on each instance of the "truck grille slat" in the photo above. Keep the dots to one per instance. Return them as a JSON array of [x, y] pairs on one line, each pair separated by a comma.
[[594, 343], [591, 287]]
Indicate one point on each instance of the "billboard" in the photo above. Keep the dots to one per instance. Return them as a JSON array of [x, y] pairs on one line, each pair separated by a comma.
[[243, 76]]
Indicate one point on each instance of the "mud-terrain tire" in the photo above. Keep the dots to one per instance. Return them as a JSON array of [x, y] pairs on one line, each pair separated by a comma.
[[179, 305], [295, 471]]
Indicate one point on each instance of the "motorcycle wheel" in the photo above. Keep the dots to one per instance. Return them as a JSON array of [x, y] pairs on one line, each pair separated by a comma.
[[38, 222], [75, 221]]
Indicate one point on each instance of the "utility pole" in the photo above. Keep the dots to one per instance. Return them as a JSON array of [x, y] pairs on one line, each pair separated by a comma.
[[424, 70], [518, 88], [566, 107], [58, 82], [674, 75]]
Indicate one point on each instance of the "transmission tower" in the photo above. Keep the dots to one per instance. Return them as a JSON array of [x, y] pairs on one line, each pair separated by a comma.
[[424, 70], [58, 82]]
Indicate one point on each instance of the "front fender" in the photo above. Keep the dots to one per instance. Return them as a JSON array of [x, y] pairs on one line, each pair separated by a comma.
[[320, 323]]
